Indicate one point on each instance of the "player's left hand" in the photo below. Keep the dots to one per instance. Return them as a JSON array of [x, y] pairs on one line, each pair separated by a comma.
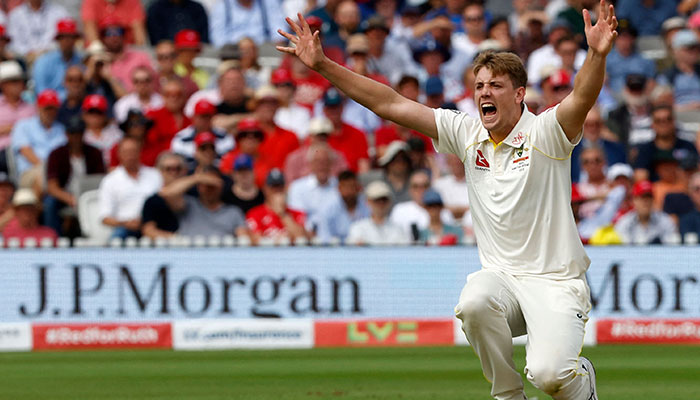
[[601, 36]]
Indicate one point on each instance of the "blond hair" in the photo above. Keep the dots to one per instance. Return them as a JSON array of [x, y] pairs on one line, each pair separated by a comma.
[[502, 63]]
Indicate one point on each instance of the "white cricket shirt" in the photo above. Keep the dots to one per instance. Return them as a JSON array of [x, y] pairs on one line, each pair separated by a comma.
[[519, 193]]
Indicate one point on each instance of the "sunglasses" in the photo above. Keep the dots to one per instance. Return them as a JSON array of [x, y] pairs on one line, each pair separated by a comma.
[[165, 56], [475, 18], [593, 161], [662, 120], [172, 168]]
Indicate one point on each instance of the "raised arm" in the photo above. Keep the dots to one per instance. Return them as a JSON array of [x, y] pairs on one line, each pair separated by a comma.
[[600, 37], [379, 98]]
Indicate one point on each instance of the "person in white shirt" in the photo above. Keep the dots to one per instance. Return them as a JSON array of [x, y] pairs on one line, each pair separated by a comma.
[[32, 27], [123, 191], [144, 98], [546, 56], [533, 262], [453, 187], [377, 229], [313, 192], [644, 224]]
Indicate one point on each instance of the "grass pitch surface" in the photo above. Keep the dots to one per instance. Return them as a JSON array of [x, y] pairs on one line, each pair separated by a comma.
[[445, 373]]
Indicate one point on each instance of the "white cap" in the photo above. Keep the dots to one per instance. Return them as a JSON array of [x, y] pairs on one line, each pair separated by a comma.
[[620, 169], [319, 125], [266, 92], [10, 70], [394, 148], [24, 197], [377, 190]]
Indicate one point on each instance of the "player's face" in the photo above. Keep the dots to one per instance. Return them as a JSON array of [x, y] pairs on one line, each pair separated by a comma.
[[498, 101]]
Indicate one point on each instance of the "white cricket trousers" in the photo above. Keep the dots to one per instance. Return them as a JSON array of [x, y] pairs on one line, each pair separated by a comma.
[[495, 306]]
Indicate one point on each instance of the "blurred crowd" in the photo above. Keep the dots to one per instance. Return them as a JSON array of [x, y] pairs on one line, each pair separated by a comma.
[[162, 119]]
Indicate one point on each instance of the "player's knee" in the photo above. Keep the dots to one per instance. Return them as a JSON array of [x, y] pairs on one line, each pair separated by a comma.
[[473, 308], [547, 377]]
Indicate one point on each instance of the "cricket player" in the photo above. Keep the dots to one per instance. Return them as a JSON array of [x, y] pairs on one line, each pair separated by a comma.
[[518, 173]]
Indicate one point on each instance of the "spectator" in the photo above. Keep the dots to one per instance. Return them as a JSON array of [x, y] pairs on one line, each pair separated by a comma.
[[32, 27], [205, 154], [333, 221], [310, 85], [433, 58], [274, 219], [530, 33], [311, 192], [566, 48], [593, 132], [434, 92], [325, 13], [249, 136], [157, 218], [411, 215], [347, 19], [663, 124], [437, 232], [100, 131], [230, 97], [243, 194], [231, 20], [346, 139], [473, 33], [671, 179], [278, 142], [165, 60], [25, 223], [128, 14], [167, 121], [74, 85], [690, 222], [377, 229], [206, 214], [137, 127], [297, 164], [184, 141], [647, 16], [33, 138], [573, 14], [50, 68], [684, 76], [256, 75], [123, 58], [453, 188], [188, 46], [7, 190], [556, 85], [625, 60], [143, 98], [644, 224], [5, 53], [123, 191], [595, 187], [12, 107], [499, 31], [631, 120], [289, 115], [617, 203], [98, 76], [395, 170], [546, 56], [66, 166], [179, 14], [388, 56]]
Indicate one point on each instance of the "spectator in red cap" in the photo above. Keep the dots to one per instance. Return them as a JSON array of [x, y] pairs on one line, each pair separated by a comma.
[[184, 142], [99, 131], [278, 142], [167, 121], [165, 67], [12, 107], [289, 115], [180, 14], [249, 136], [556, 84], [34, 138], [645, 224], [144, 98], [32, 27], [128, 14], [50, 68], [188, 46], [123, 59]]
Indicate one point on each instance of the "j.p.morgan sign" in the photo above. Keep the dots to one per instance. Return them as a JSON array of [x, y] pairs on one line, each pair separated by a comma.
[[143, 284]]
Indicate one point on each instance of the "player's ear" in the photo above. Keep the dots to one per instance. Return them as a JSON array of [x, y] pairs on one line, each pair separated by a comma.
[[520, 94]]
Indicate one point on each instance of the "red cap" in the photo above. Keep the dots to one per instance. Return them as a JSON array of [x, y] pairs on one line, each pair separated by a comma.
[[187, 39], [66, 26], [248, 124], [642, 188], [48, 98], [109, 21], [95, 101], [205, 137], [3, 34], [314, 21], [204, 107], [280, 76], [560, 77], [576, 196]]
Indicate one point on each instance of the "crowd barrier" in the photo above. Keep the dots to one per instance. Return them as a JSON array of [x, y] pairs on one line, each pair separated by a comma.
[[300, 297]]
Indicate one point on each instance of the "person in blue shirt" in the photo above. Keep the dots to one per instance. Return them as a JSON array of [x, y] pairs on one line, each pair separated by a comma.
[[624, 59], [647, 15], [690, 222], [50, 67], [592, 129]]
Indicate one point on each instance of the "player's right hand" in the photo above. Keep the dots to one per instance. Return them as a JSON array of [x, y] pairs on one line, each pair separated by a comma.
[[305, 44]]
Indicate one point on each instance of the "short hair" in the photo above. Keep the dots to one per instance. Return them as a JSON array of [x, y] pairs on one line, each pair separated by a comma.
[[664, 107], [407, 79], [347, 175], [565, 38], [502, 63], [168, 154]]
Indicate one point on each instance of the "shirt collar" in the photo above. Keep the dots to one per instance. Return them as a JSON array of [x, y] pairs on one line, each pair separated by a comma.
[[516, 137]]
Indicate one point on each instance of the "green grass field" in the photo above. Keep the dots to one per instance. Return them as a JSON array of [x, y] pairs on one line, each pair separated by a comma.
[[624, 372]]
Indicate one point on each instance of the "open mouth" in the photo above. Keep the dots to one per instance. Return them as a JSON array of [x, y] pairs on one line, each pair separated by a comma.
[[488, 109]]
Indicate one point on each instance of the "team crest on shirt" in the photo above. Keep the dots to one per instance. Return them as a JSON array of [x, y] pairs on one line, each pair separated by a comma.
[[521, 158], [482, 163]]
